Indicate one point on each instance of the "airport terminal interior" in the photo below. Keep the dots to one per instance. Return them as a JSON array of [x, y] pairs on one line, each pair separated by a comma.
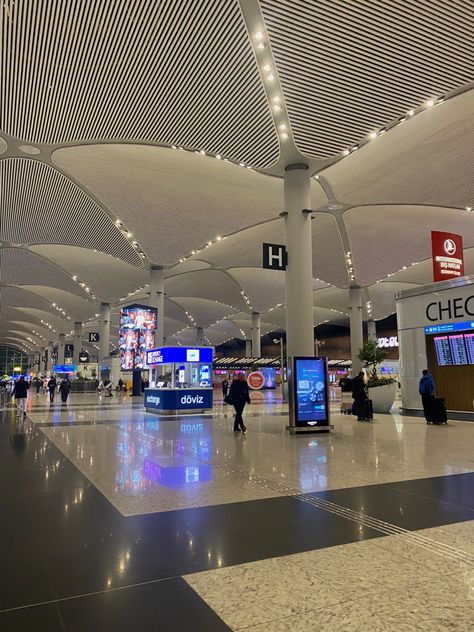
[[237, 315]]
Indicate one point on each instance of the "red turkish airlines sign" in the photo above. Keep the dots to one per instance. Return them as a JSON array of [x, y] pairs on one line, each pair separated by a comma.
[[448, 255], [256, 380]]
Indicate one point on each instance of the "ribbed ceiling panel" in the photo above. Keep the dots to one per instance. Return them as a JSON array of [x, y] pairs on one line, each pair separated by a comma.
[[39, 205], [167, 71], [349, 67], [21, 267], [16, 297]]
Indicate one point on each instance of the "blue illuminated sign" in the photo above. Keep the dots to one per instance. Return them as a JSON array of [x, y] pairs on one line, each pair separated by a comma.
[[64, 368], [310, 392], [167, 355], [178, 399], [446, 328]]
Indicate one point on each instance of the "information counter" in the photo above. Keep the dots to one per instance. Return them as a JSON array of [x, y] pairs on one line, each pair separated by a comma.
[[180, 380]]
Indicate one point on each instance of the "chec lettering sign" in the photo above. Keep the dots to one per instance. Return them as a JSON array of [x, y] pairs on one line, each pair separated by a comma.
[[256, 380], [450, 308], [448, 255]]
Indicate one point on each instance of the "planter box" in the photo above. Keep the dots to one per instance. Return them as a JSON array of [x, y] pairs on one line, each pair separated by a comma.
[[383, 397], [77, 386]]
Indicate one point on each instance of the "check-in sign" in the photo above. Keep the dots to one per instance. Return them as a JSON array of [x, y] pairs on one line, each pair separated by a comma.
[[275, 256]]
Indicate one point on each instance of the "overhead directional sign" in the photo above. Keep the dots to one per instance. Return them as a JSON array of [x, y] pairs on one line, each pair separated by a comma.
[[275, 256], [94, 336]]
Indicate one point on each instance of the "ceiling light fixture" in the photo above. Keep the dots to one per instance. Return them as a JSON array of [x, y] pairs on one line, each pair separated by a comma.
[[429, 103]]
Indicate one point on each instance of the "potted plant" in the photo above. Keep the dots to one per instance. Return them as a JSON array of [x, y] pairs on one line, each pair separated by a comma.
[[381, 389]]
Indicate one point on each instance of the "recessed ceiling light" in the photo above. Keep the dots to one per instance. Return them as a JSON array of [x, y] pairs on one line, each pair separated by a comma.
[[218, 157], [260, 45], [373, 135], [468, 208], [267, 68], [429, 103], [258, 35], [276, 108], [345, 152], [270, 77], [410, 112], [202, 152], [276, 99], [284, 135], [282, 127]]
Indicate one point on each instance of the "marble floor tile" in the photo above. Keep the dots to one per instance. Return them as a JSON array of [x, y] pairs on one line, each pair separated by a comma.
[[444, 604], [259, 592], [459, 535], [347, 616]]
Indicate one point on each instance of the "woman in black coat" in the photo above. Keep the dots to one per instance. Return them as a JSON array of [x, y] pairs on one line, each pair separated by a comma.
[[64, 389], [238, 397]]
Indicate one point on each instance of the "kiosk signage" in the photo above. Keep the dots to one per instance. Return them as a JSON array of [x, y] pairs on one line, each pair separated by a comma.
[[310, 392], [178, 399], [168, 355]]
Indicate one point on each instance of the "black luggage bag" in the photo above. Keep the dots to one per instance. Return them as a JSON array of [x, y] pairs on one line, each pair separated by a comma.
[[368, 409], [438, 414]]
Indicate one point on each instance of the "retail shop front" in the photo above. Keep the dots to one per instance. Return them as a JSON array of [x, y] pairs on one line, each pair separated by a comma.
[[436, 331]]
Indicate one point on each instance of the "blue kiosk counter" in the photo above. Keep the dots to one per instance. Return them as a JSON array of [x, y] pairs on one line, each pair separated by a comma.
[[180, 380]]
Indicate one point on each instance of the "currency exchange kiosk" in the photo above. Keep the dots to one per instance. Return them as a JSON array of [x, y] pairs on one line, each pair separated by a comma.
[[180, 380]]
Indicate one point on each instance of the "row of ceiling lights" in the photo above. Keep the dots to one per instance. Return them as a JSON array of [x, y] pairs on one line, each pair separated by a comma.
[[43, 322], [139, 289], [61, 310], [350, 266], [198, 250], [278, 108], [129, 236]]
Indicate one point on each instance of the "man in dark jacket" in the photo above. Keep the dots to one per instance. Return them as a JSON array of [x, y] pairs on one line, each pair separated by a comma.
[[359, 395], [427, 389], [239, 396], [20, 391]]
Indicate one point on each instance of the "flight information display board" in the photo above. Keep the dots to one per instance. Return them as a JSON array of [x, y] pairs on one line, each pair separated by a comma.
[[458, 349], [137, 335], [310, 384], [443, 350], [469, 340]]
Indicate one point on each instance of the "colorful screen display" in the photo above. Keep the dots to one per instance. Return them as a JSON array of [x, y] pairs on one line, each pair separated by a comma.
[[137, 335], [310, 392]]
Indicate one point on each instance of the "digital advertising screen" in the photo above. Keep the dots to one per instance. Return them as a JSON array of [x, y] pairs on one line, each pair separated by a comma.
[[310, 386], [137, 335]]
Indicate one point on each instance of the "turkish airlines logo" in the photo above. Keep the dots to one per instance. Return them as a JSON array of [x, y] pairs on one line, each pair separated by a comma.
[[449, 247]]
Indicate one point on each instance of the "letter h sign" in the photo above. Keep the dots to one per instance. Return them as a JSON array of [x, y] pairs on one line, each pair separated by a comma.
[[275, 257]]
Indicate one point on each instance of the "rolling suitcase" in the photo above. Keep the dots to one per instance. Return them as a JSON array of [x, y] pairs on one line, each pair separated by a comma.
[[368, 409], [439, 414]]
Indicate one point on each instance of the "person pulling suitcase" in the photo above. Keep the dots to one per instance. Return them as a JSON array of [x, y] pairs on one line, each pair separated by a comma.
[[362, 403]]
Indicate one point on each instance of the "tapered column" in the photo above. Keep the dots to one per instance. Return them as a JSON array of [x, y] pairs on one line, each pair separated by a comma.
[[248, 348], [43, 364], [199, 335], [38, 362], [299, 271], [49, 360], [61, 348], [104, 332], [157, 300], [256, 336], [77, 342], [371, 330], [357, 336]]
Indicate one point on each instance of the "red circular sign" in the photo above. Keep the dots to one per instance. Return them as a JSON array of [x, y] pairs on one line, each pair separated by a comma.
[[256, 380]]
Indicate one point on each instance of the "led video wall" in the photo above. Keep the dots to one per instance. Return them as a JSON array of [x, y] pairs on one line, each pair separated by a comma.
[[137, 335]]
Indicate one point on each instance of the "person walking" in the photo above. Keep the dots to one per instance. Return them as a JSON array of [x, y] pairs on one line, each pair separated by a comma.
[[64, 389], [38, 384], [427, 388], [120, 385], [359, 395], [20, 392], [238, 397], [52, 384], [225, 387]]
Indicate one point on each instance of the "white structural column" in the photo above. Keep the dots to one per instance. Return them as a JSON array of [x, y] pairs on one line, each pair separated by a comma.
[[104, 332], [299, 271], [256, 335], [43, 364], [49, 362], [77, 342], [357, 335], [248, 348], [37, 357], [61, 348], [199, 335], [157, 300], [371, 330]]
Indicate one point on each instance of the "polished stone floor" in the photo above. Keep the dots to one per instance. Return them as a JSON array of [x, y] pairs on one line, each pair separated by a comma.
[[116, 519]]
